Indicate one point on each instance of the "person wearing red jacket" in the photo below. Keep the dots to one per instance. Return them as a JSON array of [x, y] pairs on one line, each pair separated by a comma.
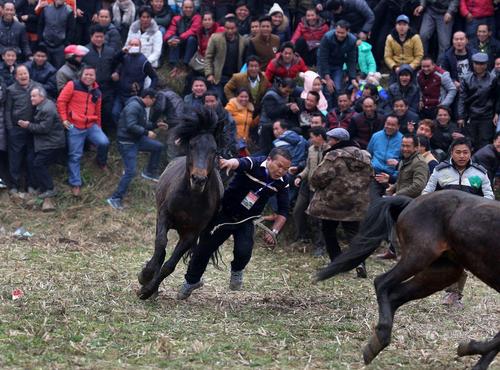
[[308, 35], [79, 106], [181, 35], [286, 64], [477, 12]]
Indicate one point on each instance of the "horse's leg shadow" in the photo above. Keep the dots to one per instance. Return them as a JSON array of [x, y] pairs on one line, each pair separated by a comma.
[[385, 284], [488, 350], [154, 264], [185, 243]]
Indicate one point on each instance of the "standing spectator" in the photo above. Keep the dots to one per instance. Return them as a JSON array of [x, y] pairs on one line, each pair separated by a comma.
[[356, 12], [457, 59], [13, 33], [243, 18], [218, 7], [436, 87], [265, 45], [224, 56], [56, 27], [86, 13], [26, 14], [43, 72], [198, 90], [146, 30], [112, 37], [135, 134], [341, 115], [405, 88], [363, 125], [4, 164], [79, 106], [385, 149], [307, 36], [281, 23], [477, 12], [181, 36], [253, 79], [162, 14], [48, 137], [437, 18], [69, 71], [241, 109], [484, 42], [123, 16], [20, 142], [403, 46], [8, 66], [341, 184], [407, 119], [287, 64], [102, 58], [476, 102], [489, 157], [337, 47]]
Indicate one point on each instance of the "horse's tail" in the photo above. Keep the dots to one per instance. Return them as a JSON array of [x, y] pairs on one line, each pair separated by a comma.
[[380, 218]]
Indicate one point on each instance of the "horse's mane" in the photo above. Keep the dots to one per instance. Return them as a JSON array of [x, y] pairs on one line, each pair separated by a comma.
[[200, 121]]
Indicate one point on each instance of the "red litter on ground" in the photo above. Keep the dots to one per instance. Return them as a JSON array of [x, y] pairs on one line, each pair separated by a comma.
[[17, 294]]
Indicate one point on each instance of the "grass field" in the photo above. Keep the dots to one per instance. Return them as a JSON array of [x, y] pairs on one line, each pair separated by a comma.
[[80, 310]]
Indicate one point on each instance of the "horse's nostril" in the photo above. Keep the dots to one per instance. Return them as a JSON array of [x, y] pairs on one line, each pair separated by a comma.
[[199, 180]]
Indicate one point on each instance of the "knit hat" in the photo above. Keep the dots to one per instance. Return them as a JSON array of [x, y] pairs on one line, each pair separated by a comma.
[[339, 133], [276, 8]]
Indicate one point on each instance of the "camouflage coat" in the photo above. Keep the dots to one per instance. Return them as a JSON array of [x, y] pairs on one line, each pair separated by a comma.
[[341, 181]]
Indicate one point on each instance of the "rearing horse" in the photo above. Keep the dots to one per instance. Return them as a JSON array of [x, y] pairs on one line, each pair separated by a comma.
[[187, 197], [440, 235]]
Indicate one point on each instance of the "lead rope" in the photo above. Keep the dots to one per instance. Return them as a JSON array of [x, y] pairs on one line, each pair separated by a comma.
[[257, 222]]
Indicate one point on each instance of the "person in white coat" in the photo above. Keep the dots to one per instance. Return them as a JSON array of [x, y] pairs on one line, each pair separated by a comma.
[[146, 30]]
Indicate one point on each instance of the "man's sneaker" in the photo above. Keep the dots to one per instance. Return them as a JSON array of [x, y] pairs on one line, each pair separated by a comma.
[[186, 289], [236, 282], [75, 191], [3, 185], [48, 194], [116, 203], [151, 177], [361, 271], [453, 299], [388, 255]]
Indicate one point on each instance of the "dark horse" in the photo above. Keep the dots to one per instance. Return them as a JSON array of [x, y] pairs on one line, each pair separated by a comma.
[[187, 197], [440, 235]]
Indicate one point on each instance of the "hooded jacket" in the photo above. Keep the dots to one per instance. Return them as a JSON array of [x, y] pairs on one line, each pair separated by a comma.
[[309, 77], [295, 144], [397, 52], [243, 118], [283, 30], [366, 61], [151, 41], [410, 93]]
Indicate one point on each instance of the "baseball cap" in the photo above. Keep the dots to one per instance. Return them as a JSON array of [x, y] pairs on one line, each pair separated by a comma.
[[403, 18]]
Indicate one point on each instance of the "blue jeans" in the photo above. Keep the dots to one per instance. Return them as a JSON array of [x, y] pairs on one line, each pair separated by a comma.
[[183, 52], [76, 140], [118, 104], [129, 152], [337, 75]]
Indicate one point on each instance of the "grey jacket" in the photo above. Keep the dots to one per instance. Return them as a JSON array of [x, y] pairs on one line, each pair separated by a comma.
[[47, 129], [65, 74], [56, 26], [18, 105], [441, 6]]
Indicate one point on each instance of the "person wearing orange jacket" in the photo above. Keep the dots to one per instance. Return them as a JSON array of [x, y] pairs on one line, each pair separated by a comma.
[[79, 106]]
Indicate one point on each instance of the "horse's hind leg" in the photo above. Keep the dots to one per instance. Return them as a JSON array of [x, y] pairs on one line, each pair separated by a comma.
[[154, 264], [426, 282], [488, 350]]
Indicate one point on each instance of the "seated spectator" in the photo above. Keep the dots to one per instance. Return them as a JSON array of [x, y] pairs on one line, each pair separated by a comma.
[[308, 109], [318, 120], [181, 36], [135, 134], [243, 18], [341, 115], [424, 148], [366, 62], [489, 157], [407, 119], [13, 33], [224, 56], [265, 45], [112, 37], [8, 66], [496, 70], [56, 28], [357, 13], [276, 104], [444, 130], [42, 71], [363, 125], [79, 106], [241, 109], [403, 47], [69, 71], [405, 88], [477, 12], [287, 64], [49, 140], [457, 59], [385, 149], [254, 28], [146, 30], [253, 79], [280, 22], [485, 42], [371, 87], [308, 35], [123, 16], [162, 14], [208, 27], [198, 90], [131, 75], [312, 82]]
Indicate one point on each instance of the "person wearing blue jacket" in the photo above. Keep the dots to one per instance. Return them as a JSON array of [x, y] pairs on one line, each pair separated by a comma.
[[293, 142], [385, 149]]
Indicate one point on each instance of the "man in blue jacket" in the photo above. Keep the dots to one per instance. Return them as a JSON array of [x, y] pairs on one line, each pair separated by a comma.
[[135, 134]]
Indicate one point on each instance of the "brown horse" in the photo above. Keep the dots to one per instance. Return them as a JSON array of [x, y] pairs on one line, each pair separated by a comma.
[[187, 197], [440, 235]]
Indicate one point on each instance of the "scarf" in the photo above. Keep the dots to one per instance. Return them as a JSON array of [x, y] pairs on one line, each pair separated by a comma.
[[128, 9]]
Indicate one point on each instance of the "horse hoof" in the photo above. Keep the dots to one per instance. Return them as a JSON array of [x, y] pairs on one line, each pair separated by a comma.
[[145, 276], [464, 349], [147, 293], [372, 349]]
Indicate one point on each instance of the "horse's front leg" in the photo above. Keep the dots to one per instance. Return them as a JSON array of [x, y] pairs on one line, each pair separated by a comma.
[[488, 350], [185, 243], [154, 264]]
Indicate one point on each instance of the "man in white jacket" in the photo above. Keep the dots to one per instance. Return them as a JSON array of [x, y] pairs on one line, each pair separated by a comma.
[[146, 30]]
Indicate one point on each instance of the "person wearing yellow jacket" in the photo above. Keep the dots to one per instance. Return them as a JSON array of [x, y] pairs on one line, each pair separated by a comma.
[[241, 109]]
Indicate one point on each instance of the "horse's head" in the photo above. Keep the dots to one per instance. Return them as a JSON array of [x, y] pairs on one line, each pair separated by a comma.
[[200, 160]]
